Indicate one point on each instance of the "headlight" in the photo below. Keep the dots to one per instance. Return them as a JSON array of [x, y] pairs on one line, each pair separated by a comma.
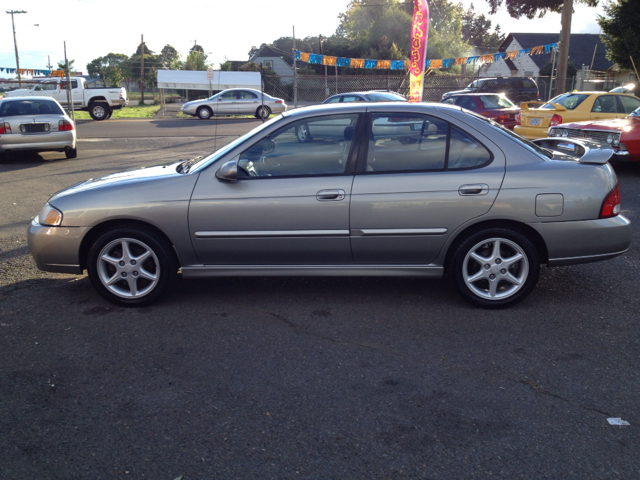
[[616, 140], [50, 216], [565, 133], [610, 138], [554, 132]]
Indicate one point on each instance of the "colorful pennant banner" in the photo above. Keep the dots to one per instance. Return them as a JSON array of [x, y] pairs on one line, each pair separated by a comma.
[[405, 64], [26, 71]]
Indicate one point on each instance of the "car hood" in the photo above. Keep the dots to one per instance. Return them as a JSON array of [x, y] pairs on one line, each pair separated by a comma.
[[18, 93], [616, 124], [120, 179]]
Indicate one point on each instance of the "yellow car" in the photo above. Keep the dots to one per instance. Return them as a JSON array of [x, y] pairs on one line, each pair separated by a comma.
[[573, 107]]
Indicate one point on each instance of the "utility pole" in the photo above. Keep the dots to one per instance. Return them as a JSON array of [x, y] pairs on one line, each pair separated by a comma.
[[326, 86], [15, 43], [141, 69], [563, 57], [295, 72]]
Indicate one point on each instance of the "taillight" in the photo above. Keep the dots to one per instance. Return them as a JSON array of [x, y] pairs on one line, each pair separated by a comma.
[[502, 118], [611, 204], [518, 119], [5, 127], [555, 120], [65, 125]]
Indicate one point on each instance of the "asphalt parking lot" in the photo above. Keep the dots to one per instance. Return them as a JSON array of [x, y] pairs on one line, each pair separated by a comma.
[[306, 378]]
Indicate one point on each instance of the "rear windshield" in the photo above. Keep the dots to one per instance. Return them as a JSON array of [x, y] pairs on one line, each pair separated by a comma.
[[29, 107], [385, 97], [568, 100], [493, 102]]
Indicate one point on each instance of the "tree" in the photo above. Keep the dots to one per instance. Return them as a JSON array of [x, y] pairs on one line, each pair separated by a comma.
[[532, 8], [546, 70], [146, 50], [62, 66], [111, 68], [196, 60], [476, 30], [620, 25], [167, 56]]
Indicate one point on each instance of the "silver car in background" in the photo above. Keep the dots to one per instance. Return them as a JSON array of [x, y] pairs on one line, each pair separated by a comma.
[[235, 101], [384, 189], [35, 124]]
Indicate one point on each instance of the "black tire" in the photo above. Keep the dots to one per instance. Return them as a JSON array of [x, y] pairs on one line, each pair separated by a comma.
[[71, 153], [204, 113], [263, 112], [303, 133], [507, 273], [99, 111], [127, 279]]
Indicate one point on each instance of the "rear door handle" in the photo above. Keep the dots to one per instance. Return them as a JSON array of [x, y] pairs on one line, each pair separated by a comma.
[[475, 189], [323, 195]]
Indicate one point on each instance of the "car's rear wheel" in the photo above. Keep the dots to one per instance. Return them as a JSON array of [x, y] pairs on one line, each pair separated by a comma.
[[204, 113], [303, 133], [131, 266], [99, 110], [495, 268], [71, 153], [263, 112]]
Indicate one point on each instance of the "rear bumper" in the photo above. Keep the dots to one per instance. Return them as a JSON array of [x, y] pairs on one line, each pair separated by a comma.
[[54, 141], [571, 243]]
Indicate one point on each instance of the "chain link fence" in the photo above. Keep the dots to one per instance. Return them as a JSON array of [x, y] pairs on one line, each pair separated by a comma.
[[314, 89]]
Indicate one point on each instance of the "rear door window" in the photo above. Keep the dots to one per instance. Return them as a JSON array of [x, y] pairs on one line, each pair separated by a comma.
[[408, 143], [628, 104]]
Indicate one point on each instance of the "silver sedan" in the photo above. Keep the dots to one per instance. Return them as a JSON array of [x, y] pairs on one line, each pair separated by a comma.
[[235, 101], [388, 189], [37, 124]]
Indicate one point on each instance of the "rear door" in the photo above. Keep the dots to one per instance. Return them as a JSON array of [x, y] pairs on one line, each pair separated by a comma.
[[248, 102], [420, 178], [605, 107]]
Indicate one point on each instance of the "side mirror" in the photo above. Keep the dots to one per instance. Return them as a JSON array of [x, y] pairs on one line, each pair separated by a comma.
[[268, 146], [228, 172]]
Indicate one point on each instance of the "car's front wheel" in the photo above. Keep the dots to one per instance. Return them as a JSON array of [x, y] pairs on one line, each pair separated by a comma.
[[204, 113], [131, 266], [495, 267]]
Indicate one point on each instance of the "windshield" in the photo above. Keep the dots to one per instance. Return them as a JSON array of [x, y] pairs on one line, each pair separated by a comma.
[[526, 143], [635, 113], [205, 161], [568, 100], [492, 102]]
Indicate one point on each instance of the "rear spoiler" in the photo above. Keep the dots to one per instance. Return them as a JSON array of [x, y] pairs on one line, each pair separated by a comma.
[[579, 150], [529, 105]]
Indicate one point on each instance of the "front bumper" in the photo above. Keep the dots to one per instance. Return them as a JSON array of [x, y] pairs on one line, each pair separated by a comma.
[[56, 249], [571, 243]]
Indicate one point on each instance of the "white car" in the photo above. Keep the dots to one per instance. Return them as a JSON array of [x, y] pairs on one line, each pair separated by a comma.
[[235, 101], [36, 124]]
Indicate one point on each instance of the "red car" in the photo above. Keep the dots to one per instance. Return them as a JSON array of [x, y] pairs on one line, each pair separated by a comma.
[[623, 134], [491, 105]]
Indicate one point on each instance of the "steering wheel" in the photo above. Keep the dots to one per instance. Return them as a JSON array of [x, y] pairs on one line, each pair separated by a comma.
[[249, 172]]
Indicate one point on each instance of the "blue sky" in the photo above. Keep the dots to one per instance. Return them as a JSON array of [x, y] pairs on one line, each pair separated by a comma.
[[93, 28]]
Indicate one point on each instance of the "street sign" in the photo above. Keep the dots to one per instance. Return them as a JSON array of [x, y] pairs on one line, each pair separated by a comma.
[[210, 74]]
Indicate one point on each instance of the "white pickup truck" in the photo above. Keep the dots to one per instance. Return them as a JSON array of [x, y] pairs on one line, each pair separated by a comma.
[[99, 102]]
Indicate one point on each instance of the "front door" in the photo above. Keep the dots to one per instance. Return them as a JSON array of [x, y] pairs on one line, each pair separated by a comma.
[[289, 206], [423, 179]]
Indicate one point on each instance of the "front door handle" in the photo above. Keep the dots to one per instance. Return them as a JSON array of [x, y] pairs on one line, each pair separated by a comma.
[[475, 189], [330, 195]]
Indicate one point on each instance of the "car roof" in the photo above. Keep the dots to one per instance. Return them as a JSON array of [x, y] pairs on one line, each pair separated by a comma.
[[355, 107]]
